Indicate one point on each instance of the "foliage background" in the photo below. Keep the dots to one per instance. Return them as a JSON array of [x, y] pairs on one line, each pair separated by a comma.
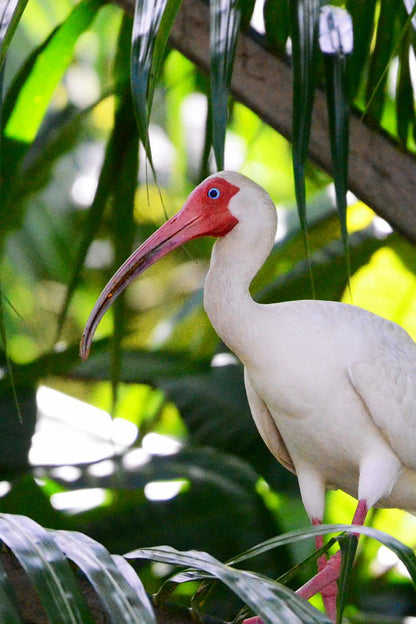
[[181, 463]]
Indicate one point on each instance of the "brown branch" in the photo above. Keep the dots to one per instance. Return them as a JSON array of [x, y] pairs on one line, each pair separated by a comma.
[[380, 173]]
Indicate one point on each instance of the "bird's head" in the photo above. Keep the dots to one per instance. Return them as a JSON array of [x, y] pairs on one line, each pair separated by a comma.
[[212, 209]]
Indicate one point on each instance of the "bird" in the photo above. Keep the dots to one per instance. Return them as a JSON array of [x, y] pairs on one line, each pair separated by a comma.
[[331, 386]]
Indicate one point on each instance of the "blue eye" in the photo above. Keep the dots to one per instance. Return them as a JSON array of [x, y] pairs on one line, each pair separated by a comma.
[[213, 193]]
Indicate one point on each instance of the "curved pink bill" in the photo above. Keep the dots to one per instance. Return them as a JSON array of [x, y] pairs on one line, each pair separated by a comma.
[[191, 222], [171, 235]]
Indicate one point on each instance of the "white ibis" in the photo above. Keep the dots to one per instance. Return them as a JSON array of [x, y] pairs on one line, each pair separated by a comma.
[[331, 387]]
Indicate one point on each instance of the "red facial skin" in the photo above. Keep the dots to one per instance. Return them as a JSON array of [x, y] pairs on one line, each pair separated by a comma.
[[200, 216]]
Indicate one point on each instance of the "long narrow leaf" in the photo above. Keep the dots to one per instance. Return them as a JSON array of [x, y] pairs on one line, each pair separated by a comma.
[[10, 14], [148, 45], [277, 24], [405, 107], [380, 59], [112, 582], [336, 43], [224, 26], [123, 201], [48, 569], [114, 179], [348, 549], [273, 602], [362, 14], [404, 553], [304, 16], [47, 71]]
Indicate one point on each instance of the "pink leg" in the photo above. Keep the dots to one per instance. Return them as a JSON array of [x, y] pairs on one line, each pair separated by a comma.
[[329, 571]]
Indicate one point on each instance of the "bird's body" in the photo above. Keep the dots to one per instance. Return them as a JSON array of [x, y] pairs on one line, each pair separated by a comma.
[[332, 387]]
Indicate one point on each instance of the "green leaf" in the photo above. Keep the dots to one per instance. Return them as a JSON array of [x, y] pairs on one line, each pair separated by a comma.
[[50, 65], [327, 266], [273, 602], [277, 24], [118, 586], [224, 26], [47, 568], [10, 14], [348, 548], [362, 13], [151, 27], [123, 201], [117, 181], [304, 15], [405, 553], [380, 58], [339, 25], [405, 108], [9, 608]]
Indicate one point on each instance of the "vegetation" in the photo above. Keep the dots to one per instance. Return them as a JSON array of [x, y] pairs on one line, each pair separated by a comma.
[[89, 167]]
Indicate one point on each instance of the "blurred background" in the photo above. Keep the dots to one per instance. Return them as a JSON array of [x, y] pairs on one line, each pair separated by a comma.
[[151, 441]]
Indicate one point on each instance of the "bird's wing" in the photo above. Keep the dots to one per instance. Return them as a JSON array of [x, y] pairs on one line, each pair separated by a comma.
[[386, 383], [267, 427]]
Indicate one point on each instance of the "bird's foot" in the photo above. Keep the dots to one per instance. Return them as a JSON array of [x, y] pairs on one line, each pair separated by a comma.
[[325, 583]]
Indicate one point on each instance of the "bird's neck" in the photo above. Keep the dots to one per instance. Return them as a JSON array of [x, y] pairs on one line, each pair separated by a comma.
[[227, 298]]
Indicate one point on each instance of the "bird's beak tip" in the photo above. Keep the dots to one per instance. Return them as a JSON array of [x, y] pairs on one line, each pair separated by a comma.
[[84, 351]]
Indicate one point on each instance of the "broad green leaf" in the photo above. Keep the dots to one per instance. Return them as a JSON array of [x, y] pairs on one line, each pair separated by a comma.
[[335, 40], [304, 15], [225, 17], [273, 602], [125, 603], [47, 71], [10, 14], [44, 563], [151, 27]]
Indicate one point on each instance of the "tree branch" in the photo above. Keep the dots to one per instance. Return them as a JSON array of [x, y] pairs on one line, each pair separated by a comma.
[[380, 172]]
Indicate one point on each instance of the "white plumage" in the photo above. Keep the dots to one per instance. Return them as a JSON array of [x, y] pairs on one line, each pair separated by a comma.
[[332, 387]]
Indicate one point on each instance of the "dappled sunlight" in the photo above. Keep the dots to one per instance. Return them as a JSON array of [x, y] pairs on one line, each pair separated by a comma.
[[164, 490], [70, 431]]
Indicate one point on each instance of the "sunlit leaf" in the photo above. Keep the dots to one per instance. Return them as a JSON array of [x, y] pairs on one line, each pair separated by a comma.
[[47, 568], [10, 14], [151, 27], [224, 26], [328, 267], [47, 71]]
